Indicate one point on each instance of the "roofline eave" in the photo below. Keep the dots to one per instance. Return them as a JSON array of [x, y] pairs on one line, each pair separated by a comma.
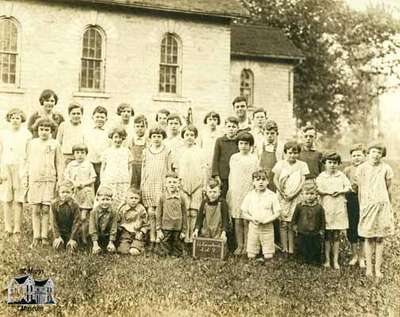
[[163, 9], [268, 56]]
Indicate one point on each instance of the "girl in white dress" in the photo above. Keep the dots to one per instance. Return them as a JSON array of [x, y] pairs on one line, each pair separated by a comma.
[[242, 165], [332, 186]]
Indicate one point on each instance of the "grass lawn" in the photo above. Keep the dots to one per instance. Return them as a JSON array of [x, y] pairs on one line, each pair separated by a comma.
[[116, 285]]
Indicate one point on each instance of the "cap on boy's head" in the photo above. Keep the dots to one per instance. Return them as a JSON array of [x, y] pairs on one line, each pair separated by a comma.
[[331, 156], [379, 146], [66, 184], [271, 125], [105, 191], [310, 186], [16, 111], [213, 182], [261, 173], [358, 147]]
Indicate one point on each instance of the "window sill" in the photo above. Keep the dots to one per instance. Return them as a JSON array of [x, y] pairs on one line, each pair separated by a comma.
[[12, 90], [175, 99], [84, 94]]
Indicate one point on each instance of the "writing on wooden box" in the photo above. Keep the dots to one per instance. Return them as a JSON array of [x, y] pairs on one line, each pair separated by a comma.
[[209, 248]]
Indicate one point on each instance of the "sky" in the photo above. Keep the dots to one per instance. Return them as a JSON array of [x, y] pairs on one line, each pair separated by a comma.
[[362, 4]]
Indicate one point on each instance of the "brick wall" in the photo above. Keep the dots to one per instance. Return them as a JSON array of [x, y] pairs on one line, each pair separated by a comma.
[[272, 90], [50, 51]]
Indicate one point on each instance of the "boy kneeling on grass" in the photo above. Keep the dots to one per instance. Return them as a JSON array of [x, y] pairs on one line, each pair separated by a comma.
[[261, 207], [171, 218], [103, 222], [66, 215]]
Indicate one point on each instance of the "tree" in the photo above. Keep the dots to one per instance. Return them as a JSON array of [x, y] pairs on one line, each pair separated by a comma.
[[349, 57]]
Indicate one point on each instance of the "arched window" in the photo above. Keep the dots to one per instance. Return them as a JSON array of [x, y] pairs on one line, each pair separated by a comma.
[[169, 64], [8, 51], [92, 63], [247, 85]]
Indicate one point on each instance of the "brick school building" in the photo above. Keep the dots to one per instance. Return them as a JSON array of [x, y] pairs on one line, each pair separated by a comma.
[[150, 53]]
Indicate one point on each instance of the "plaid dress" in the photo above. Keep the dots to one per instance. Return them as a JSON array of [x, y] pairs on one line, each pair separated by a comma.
[[155, 167]]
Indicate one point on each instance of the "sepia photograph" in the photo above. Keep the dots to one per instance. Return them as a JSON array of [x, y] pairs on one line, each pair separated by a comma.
[[200, 158]]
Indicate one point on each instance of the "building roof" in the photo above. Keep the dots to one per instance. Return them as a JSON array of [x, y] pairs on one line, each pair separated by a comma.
[[221, 8], [260, 41]]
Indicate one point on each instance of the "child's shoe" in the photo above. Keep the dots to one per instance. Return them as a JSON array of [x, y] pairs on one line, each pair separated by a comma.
[[327, 264], [238, 251], [134, 251], [353, 260], [35, 243], [45, 242], [361, 263]]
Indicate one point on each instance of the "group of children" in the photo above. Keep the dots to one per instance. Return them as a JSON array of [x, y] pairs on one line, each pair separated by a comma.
[[128, 187]]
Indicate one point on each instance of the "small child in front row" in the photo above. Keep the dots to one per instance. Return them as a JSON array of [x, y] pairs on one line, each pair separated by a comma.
[[65, 218], [133, 224], [332, 186], [289, 177], [44, 168], [82, 174], [260, 207], [357, 153], [309, 223], [374, 180], [171, 217], [213, 217], [103, 222]]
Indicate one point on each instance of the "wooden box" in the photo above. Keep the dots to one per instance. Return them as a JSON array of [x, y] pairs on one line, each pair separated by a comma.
[[209, 248]]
